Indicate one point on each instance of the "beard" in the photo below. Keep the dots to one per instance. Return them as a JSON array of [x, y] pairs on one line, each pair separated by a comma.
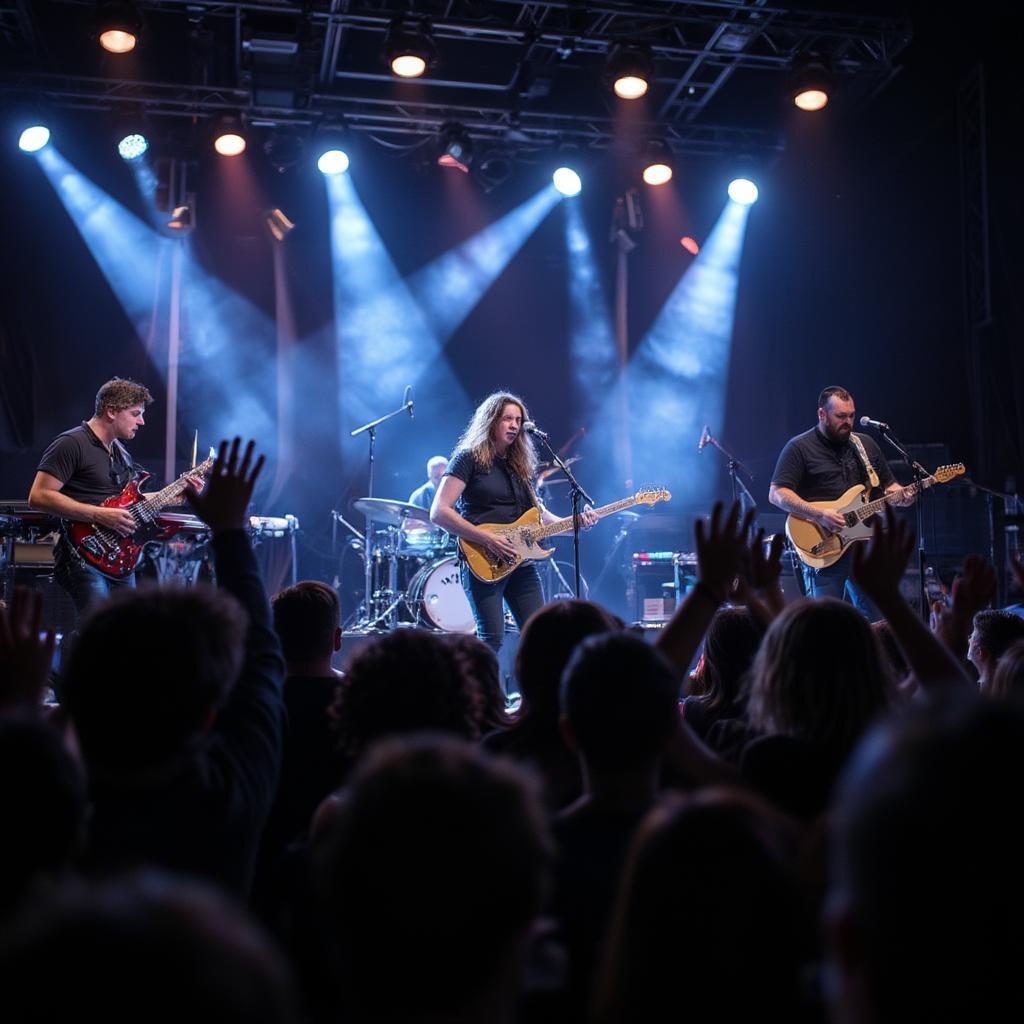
[[838, 434]]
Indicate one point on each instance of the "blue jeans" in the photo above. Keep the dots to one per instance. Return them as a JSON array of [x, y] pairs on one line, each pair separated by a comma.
[[835, 582], [521, 589], [83, 583]]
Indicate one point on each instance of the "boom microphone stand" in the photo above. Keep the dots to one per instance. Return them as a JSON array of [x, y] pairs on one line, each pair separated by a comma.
[[920, 473], [575, 493], [371, 430], [740, 491]]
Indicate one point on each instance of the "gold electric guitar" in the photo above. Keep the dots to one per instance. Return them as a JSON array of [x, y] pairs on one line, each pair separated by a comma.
[[820, 548], [526, 533]]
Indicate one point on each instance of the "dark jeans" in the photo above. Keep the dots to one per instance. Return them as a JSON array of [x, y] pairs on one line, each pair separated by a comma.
[[82, 582], [521, 589], [835, 582]]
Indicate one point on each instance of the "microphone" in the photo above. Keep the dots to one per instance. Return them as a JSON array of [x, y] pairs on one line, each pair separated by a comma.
[[407, 400], [866, 421], [705, 436], [531, 428]]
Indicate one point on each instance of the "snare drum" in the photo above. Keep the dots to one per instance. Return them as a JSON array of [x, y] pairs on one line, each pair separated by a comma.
[[437, 595]]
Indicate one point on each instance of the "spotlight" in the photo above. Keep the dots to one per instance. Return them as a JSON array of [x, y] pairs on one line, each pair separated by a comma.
[[132, 146], [812, 83], [118, 26], [456, 147], [657, 164], [409, 47], [690, 245], [34, 138], [183, 218], [332, 157], [630, 70], [228, 140], [283, 149], [278, 224], [567, 181], [333, 161], [743, 191]]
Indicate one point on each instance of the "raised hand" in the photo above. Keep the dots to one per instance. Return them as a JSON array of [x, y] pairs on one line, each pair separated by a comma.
[[973, 590], [25, 654], [878, 566], [224, 502], [721, 549]]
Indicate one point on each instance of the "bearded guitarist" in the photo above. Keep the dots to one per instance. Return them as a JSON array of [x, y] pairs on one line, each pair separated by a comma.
[[79, 470], [820, 465], [490, 480]]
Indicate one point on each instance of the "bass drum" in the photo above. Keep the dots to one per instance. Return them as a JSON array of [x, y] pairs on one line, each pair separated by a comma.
[[436, 593]]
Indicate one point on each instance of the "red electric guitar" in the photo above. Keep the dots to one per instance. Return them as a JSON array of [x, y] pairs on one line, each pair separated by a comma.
[[116, 556]]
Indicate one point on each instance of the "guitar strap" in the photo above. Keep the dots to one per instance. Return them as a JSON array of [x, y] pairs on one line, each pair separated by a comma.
[[859, 445]]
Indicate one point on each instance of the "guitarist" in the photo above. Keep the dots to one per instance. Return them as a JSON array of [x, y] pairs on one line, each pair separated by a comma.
[[819, 465], [490, 480], [82, 468]]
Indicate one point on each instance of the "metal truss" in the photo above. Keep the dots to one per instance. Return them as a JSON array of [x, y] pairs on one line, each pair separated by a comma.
[[524, 72]]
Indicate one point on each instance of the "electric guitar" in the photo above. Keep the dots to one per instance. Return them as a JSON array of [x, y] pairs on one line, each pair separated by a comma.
[[820, 548], [526, 533], [116, 556]]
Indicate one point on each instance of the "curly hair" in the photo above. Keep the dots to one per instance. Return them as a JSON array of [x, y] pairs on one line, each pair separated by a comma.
[[819, 675], [407, 681], [121, 393], [476, 438]]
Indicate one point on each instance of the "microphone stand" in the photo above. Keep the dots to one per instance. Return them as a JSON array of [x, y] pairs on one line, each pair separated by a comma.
[[371, 430], [575, 493], [740, 491], [920, 473]]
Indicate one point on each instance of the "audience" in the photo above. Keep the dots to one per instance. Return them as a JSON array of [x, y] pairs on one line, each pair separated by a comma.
[[200, 726]]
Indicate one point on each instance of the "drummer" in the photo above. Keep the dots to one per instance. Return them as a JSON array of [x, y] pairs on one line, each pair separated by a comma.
[[421, 533]]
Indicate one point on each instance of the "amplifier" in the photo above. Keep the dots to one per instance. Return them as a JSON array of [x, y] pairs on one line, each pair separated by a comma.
[[658, 582]]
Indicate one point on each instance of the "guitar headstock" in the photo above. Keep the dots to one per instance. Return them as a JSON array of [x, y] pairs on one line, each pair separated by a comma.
[[946, 473], [652, 495]]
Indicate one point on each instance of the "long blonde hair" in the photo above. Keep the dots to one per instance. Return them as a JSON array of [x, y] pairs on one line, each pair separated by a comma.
[[476, 437]]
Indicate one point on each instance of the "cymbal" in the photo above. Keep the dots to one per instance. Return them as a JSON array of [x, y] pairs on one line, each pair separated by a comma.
[[548, 468], [386, 510]]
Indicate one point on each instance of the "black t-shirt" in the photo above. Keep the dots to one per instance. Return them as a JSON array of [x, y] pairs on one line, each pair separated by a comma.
[[819, 469], [495, 495], [90, 474]]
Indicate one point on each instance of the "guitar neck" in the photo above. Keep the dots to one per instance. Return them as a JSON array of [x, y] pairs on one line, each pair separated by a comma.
[[561, 525], [169, 494], [876, 506]]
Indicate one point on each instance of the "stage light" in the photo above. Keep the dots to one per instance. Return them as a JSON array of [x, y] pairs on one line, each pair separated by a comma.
[[657, 173], [690, 245], [118, 26], [333, 161], [409, 47], [494, 168], [567, 181], [33, 138], [183, 219], [228, 139], [812, 83], [456, 147], [743, 191], [278, 224], [630, 70], [132, 146]]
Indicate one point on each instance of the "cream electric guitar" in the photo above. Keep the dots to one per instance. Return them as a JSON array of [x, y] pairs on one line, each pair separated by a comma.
[[819, 548], [526, 533]]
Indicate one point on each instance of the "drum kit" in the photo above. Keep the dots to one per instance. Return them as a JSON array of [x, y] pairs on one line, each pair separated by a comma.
[[417, 573]]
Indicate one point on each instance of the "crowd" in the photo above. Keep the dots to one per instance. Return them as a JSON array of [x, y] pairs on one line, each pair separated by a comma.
[[815, 823]]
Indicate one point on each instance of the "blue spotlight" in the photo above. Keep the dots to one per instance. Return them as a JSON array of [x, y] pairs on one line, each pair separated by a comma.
[[567, 181], [333, 161], [132, 146], [33, 139], [743, 191]]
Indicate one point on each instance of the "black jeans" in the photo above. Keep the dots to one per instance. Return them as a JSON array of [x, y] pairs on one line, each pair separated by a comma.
[[521, 589], [83, 583]]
